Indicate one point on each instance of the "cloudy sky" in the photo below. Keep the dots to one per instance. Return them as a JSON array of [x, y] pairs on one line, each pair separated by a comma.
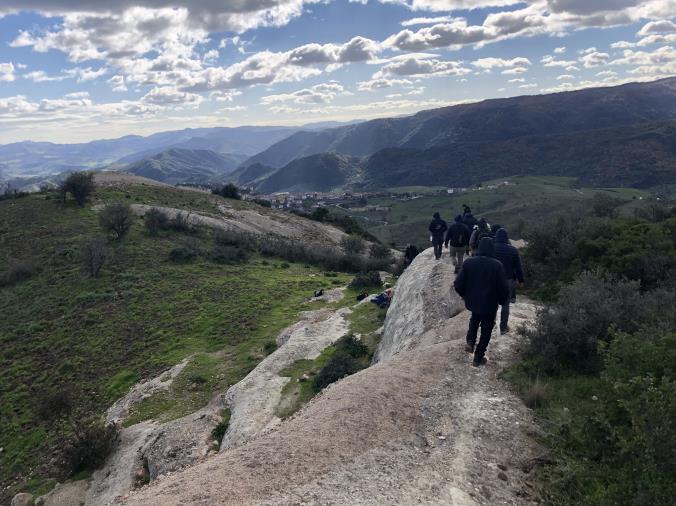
[[76, 70]]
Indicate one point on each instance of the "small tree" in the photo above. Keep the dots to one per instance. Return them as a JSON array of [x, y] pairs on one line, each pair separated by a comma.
[[320, 214], [116, 218], [229, 191], [80, 185], [380, 252], [605, 206], [155, 220], [352, 244], [93, 257]]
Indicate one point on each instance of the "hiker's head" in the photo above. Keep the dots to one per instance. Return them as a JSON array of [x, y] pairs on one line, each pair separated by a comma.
[[458, 219], [501, 236], [436, 216], [483, 224], [495, 227], [485, 247]]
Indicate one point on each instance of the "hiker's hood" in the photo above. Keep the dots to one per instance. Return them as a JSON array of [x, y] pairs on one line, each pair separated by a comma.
[[482, 223], [501, 236], [436, 216], [486, 247], [458, 219]]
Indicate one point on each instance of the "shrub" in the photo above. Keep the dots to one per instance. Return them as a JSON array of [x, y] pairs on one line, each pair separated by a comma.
[[93, 256], [269, 347], [263, 202], [224, 254], [234, 238], [380, 252], [340, 364], [229, 191], [52, 405], [182, 254], [567, 336], [155, 220], [605, 206], [320, 214], [116, 219], [352, 244], [17, 271], [89, 445], [182, 223], [366, 279], [352, 346], [80, 185], [222, 427]]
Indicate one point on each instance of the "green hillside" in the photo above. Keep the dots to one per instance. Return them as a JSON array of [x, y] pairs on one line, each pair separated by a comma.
[[70, 340], [526, 200]]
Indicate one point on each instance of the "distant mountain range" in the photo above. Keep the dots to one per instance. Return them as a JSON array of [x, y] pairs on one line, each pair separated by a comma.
[[174, 166], [35, 158], [495, 120]]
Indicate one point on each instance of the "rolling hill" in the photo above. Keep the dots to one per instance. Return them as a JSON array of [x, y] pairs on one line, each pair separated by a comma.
[[496, 120], [195, 166], [322, 172]]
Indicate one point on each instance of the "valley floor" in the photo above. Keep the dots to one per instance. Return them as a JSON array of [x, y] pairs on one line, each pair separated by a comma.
[[421, 426]]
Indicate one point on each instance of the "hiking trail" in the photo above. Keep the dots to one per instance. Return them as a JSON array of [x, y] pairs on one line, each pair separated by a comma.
[[420, 426]]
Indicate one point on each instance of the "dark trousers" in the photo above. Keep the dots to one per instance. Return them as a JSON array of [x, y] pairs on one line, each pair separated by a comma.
[[438, 246], [486, 322], [504, 312]]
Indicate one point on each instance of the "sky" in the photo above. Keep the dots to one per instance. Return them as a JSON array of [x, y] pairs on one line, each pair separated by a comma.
[[77, 70]]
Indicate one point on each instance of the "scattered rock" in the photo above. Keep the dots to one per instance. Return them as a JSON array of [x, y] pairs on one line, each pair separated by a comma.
[[502, 467], [502, 476], [22, 499]]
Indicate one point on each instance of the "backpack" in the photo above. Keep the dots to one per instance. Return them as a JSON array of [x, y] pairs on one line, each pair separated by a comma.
[[457, 236]]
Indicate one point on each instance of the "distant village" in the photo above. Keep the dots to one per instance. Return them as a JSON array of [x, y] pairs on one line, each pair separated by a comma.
[[356, 201]]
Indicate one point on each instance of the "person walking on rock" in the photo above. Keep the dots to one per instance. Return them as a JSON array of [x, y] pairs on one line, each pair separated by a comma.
[[510, 259], [483, 286], [480, 231], [437, 228], [458, 237]]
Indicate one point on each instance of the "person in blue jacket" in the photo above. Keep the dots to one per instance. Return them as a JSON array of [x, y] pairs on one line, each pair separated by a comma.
[[483, 285], [511, 262]]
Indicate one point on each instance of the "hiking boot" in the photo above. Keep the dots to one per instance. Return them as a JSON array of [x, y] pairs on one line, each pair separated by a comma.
[[481, 361], [469, 348], [504, 330]]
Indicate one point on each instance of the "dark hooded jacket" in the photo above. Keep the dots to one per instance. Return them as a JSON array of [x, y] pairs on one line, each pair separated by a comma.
[[482, 230], [482, 282], [458, 234], [469, 221], [438, 228], [508, 255]]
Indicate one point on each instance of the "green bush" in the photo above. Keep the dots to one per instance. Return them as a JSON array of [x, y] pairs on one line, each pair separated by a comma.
[[155, 220], [340, 364], [352, 244], [567, 336], [229, 191], [17, 271], [224, 254], [380, 252], [116, 219], [352, 346], [89, 445], [182, 223], [93, 256], [80, 185], [182, 254], [366, 279]]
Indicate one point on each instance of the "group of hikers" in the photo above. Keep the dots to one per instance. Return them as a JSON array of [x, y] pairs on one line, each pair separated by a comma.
[[485, 280]]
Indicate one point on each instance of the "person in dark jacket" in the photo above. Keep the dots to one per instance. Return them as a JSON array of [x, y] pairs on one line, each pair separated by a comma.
[[482, 230], [469, 220], [483, 285], [410, 254], [437, 228], [511, 262], [458, 238], [494, 229]]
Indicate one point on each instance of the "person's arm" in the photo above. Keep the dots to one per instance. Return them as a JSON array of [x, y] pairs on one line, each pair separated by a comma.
[[503, 287], [472, 239], [448, 237], [459, 283], [518, 269]]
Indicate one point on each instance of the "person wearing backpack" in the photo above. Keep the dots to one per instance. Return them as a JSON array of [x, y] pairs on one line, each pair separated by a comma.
[[483, 286], [482, 230], [469, 220], [458, 237], [437, 228], [511, 262]]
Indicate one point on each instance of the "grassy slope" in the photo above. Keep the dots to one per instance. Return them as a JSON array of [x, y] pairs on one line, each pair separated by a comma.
[[95, 338], [530, 198]]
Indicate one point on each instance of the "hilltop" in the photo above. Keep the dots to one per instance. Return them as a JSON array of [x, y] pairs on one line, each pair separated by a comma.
[[73, 344]]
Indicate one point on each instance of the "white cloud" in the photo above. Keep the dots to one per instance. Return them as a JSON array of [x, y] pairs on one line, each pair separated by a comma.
[[224, 96], [529, 86], [318, 94], [622, 44], [559, 50], [117, 83], [40, 76], [517, 80], [515, 71], [426, 21], [414, 67], [490, 63], [594, 59], [565, 77], [171, 96], [7, 72], [378, 84], [550, 61], [662, 26]]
